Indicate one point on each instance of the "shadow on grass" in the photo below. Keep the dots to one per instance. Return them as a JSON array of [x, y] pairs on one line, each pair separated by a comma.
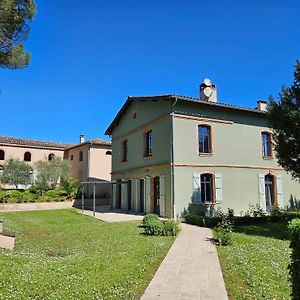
[[271, 230]]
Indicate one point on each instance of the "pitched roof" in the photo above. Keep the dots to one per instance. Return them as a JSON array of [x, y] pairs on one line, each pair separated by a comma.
[[92, 142], [10, 141], [173, 97]]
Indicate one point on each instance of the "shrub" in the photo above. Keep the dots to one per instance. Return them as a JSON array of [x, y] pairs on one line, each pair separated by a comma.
[[70, 185], [27, 196], [223, 232], [154, 226], [294, 266]]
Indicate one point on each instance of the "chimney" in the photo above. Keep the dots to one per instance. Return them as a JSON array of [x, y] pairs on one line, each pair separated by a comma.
[[262, 105], [208, 91], [81, 138]]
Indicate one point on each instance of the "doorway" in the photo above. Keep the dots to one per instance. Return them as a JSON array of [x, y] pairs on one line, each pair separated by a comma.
[[156, 194], [142, 196], [129, 194], [270, 192], [118, 194]]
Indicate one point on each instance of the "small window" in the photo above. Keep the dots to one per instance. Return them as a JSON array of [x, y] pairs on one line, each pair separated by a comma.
[[108, 153], [204, 139], [266, 144], [80, 156], [2, 155], [124, 150], [72, 157], [148, 144], [207, 187], [51, 156], [27, 156]]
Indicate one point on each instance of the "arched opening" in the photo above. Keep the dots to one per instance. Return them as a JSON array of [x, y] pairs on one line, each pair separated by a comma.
[[108, 153], [2, 155], [51, 156], [27, 156], [80, 156]]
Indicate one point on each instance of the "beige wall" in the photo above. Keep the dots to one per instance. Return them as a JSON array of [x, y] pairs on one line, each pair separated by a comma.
[[36, 154]]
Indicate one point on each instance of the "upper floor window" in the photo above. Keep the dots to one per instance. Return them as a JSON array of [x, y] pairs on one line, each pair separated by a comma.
[[80, 156], [148, 143], [204, 139], [108, 152], [72, 157], [206, 181], [51, 156], [266, 144], [27, 156], [2, 155], [124, 150]]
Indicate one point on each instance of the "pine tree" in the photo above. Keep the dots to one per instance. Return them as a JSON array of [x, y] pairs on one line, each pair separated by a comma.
[[15, 16], [284, 119]]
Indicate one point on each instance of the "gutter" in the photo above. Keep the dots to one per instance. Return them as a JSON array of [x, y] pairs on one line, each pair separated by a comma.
[[172, 159]]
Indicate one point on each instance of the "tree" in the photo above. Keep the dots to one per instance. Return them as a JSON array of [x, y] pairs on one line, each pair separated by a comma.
[[284, 119], [16, 173], [70, 186], [51, 171], [15, 16]]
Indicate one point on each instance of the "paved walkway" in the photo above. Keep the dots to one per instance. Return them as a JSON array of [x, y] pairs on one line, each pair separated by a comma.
[[191, 269], [105, 214]]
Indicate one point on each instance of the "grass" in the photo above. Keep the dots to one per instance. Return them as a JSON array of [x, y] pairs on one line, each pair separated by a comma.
[[255, 265], [64, 255]]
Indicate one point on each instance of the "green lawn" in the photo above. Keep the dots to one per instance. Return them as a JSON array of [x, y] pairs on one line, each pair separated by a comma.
[[64, 255], [255, 266]]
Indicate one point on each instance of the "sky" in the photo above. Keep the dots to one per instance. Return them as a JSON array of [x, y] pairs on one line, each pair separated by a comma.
[[88, 56]]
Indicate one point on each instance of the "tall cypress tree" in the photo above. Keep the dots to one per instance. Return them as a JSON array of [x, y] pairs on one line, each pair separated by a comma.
[[284, 119], [15, 17]]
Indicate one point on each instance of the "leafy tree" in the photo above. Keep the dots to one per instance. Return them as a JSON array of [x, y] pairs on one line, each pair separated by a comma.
[[16, 173], [50, 172], [284, 119], [15, 16], [70, 186]]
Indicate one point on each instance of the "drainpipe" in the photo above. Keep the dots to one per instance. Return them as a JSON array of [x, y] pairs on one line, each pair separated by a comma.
[[172, 160]]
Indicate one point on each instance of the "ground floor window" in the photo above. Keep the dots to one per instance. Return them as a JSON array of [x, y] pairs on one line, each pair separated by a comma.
[[270, 191], [206, 181]]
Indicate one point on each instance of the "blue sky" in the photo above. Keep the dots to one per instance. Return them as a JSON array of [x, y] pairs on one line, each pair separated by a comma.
[[88, 56]]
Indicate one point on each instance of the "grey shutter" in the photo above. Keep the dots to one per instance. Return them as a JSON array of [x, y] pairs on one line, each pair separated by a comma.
[[196, 197], [134, 195], [219, 189], [124, 195], [262, 191], [147, 194], [279, 191], [162, 196]]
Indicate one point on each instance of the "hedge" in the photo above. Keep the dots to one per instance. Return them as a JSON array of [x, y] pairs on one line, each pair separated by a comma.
[[294, 266], [211, 222]]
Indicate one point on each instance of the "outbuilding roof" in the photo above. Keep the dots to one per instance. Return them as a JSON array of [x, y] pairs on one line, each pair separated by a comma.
[[173, 97], [92, 142]]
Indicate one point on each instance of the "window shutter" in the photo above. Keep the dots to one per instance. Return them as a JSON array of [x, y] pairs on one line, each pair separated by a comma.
[[196, 189], [162, 196], [219, 189], [147, 194], [124, 195], [262, 191], [137, 197], [279, 191]]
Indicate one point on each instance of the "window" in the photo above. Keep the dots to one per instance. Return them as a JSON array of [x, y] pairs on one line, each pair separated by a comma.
[[206, 181], [124, 150], [51, 156], [148, 144], [27, 156], [270, 191], [266, 145], [2, 155], [72, 157], [108, 153], [204, 139], [80, 156]]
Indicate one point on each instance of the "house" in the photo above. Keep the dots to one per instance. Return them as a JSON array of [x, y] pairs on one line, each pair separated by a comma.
[[173, 154], [89, 161]]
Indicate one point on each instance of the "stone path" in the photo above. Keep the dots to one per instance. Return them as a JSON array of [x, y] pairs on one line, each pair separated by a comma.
[[191, 269], [7, 242]]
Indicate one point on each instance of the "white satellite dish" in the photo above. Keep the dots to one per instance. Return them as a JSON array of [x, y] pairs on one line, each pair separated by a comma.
[[208, 92], [207, 82]]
